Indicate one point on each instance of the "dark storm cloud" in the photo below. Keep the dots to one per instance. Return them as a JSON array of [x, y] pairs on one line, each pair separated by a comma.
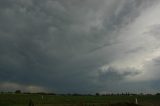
[[60, 45], [36, 44]]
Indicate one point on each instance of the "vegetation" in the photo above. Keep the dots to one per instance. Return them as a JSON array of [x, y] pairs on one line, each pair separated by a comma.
[[42, 99]]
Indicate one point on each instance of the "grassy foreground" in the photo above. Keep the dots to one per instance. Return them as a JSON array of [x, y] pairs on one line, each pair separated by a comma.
[[59, 100]]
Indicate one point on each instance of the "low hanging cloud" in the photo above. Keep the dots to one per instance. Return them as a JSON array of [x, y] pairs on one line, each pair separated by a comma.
[[80, 45], [8, 86]]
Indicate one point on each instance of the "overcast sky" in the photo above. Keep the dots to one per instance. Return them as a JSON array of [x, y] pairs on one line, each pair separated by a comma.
[[80, 46]]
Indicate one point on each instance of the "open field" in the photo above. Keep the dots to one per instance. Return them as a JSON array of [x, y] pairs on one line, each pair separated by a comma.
[[59, 100]]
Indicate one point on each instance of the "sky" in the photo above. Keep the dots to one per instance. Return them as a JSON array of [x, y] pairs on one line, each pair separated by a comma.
[[80, 46]]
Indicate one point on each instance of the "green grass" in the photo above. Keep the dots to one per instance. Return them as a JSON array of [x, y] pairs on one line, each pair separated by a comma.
[[53, 100]]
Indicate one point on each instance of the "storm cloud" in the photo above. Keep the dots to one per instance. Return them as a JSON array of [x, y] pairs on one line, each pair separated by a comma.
[[82, 46]]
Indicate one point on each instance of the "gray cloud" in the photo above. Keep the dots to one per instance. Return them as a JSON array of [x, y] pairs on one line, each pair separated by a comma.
[[112, 74], [61, 45]]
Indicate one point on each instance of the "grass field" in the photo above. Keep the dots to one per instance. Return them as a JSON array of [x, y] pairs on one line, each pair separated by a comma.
[[58, 100]]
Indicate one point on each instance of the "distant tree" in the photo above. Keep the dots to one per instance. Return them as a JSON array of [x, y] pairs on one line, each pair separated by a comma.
[[158, 94], [76, 94], [51, 93], [97, 94], [18, 91]]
